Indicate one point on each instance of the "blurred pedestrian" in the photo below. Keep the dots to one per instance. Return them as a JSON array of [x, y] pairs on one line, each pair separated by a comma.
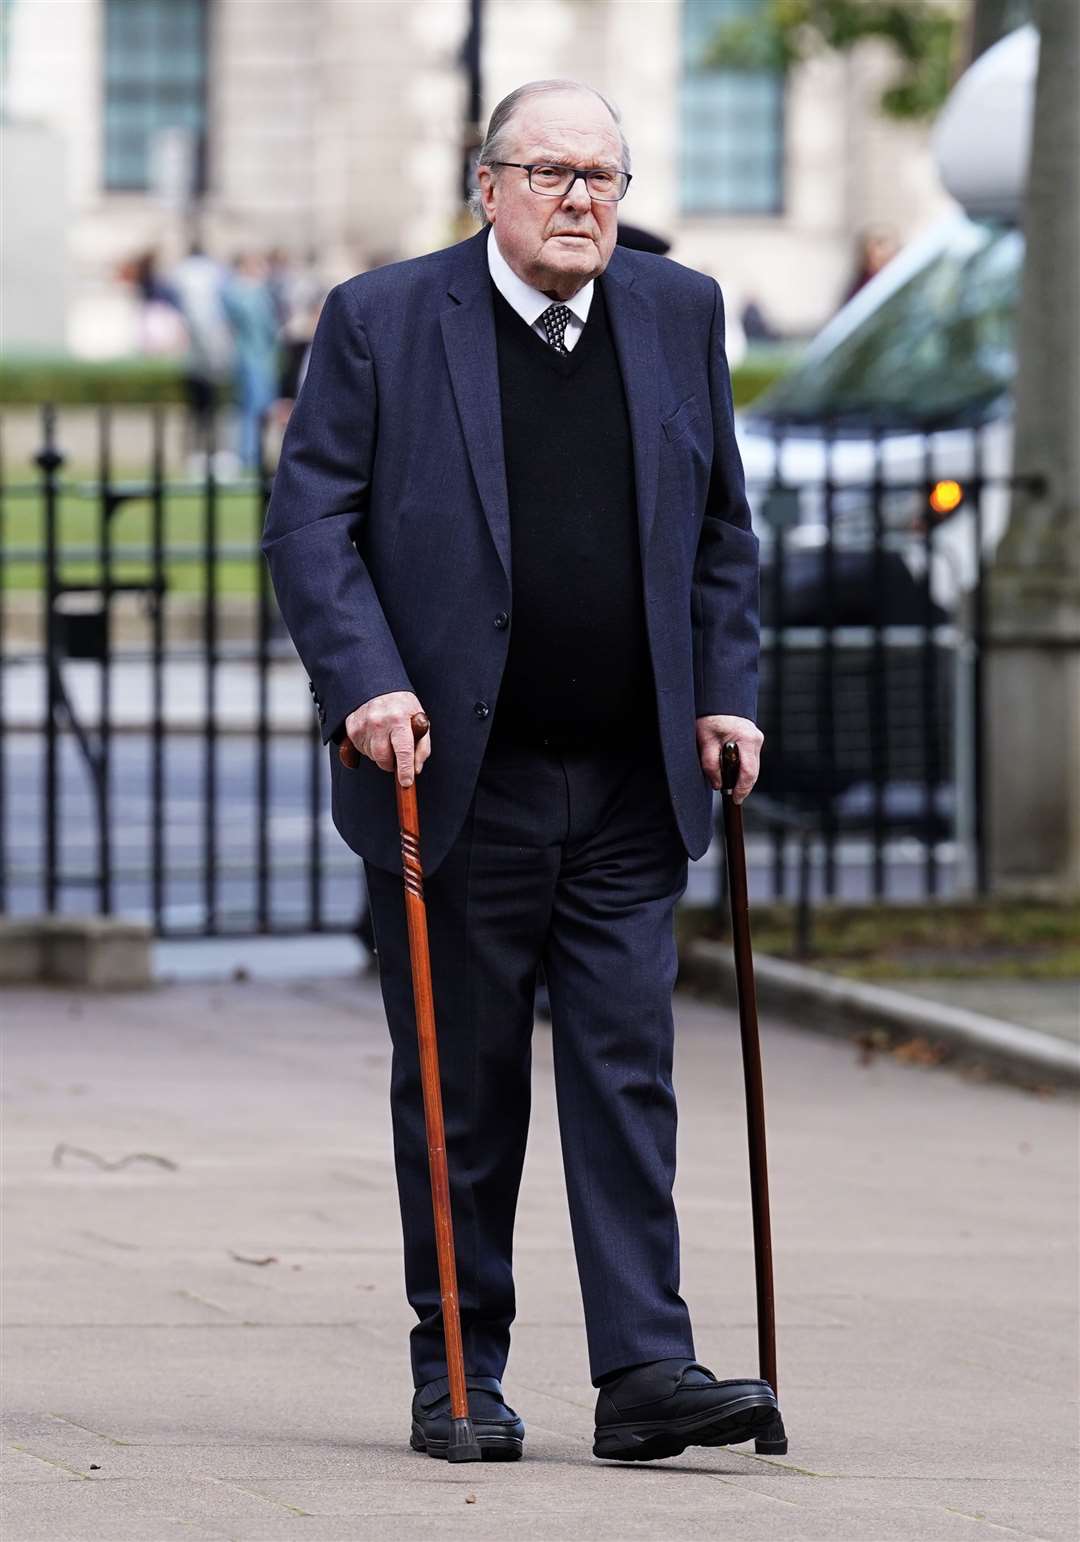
[[638, 239], [873, 249], [249, 305], [757, 328], [198, 284], [278, 272], [302, 291], [162, 332]]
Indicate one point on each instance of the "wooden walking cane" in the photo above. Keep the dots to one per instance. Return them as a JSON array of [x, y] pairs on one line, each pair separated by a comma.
[[463, 1445], [773, 1439]]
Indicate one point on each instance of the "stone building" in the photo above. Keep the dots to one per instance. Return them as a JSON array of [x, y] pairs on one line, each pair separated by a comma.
[[338, 126]]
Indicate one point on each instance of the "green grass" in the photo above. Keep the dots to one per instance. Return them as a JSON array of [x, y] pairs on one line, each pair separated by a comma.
[[1014, 939], [761, 368], [239, 521], [29, 381]]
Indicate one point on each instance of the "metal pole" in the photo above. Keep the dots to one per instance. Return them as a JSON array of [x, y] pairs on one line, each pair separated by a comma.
[[101, 789], [157, 672], [49, 460], [472, 59]]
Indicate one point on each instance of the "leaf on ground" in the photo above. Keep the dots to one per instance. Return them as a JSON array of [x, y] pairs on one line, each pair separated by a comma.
[[872, 1042], [260, 1263], [920, 1052]]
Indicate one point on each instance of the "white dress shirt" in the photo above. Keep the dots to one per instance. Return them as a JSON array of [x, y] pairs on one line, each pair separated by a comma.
[[530, 303]]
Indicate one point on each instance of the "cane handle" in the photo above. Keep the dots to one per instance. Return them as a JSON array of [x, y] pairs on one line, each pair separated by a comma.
[[350, 756]]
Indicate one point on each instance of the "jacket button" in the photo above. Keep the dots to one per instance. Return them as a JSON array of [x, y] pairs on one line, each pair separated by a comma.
[[481, 709], [502, 620]]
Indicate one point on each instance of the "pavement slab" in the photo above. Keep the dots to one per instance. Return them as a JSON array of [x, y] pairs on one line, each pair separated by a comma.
[[205, 1331]]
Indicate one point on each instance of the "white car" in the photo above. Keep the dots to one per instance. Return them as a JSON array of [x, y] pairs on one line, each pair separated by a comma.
[[903, 400]]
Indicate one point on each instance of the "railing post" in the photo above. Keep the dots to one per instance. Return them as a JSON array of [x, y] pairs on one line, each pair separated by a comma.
[[978, 661], [827, 688], [49, 460], [779, 620], [803, 938], [157, 669], [101, 779], [929, 683], [210, 698], [3, 714], [263, 730], [878, 715]]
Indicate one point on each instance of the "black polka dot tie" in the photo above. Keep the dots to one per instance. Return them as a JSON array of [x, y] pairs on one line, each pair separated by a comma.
[[555, 321]]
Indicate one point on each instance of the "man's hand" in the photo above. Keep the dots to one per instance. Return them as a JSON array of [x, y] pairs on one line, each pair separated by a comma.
[[713, 733], [381, 729]]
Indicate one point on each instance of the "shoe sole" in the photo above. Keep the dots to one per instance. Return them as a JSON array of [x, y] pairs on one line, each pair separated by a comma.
[[493, 1448], [739, 1420]]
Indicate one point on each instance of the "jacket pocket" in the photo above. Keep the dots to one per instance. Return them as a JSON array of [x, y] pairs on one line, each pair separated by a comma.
[[681, 420]]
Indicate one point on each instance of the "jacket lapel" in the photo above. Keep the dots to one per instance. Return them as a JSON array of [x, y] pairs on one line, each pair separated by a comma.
[[633, 323], [468, 328]]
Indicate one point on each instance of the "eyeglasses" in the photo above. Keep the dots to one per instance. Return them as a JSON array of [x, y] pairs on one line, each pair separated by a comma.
[[556, 181]]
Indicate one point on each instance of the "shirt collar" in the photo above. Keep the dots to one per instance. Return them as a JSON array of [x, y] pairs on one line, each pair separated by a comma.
[[529, 303]]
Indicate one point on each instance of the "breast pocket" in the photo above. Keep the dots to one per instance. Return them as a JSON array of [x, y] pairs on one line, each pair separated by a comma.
[[682, 420]]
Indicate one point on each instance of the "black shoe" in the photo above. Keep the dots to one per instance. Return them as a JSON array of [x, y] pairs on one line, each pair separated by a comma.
[[498, 1429], [659, 1409]]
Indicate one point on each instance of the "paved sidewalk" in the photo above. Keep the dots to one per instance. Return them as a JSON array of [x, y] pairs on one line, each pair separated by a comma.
[[216, 1349]]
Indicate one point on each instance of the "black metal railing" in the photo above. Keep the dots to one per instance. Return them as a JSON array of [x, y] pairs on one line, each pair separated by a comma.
[[158, 756], [874, 548]]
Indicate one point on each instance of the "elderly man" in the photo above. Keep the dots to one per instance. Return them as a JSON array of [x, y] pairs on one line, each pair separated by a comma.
[[509, 495]]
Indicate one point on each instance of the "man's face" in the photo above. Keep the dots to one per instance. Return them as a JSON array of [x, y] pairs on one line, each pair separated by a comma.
[[555, 244]]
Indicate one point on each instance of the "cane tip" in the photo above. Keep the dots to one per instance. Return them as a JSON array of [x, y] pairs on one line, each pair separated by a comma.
[[463, 1445], [773, 1439]]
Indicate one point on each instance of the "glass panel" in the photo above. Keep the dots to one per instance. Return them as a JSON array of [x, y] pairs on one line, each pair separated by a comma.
[[732, 151], [155, 77], [937, 352]]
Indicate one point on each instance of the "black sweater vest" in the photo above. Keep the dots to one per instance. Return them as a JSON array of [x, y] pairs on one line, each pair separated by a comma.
[[578, 668]]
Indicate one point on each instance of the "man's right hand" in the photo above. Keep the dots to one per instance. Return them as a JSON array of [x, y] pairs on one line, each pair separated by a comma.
[[382, 730]]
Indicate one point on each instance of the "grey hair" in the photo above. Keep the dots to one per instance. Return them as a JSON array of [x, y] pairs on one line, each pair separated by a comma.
[[496, 144]]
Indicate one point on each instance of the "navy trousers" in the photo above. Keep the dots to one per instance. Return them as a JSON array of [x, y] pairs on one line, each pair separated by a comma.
[[571, 858]]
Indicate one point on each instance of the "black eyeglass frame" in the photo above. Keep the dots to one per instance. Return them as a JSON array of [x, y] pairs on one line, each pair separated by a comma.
[[576, 173]]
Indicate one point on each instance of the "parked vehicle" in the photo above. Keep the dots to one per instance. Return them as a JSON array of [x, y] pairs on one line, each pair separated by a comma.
[[900, 411], [878, 474]]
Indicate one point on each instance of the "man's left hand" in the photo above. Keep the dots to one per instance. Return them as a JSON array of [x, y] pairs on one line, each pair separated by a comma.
[[713, 733]]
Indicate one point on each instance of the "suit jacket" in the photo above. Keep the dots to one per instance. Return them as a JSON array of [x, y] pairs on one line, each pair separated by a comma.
[[388, 529]]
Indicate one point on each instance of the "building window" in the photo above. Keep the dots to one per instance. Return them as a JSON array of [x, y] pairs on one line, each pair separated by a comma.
[[155, 80], [732, 122]]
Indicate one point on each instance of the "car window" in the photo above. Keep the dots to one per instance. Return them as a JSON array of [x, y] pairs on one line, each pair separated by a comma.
[[937, 352]]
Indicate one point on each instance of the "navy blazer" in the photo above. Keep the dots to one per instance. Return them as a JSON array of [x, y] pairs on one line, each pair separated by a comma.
[[388, 529]]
